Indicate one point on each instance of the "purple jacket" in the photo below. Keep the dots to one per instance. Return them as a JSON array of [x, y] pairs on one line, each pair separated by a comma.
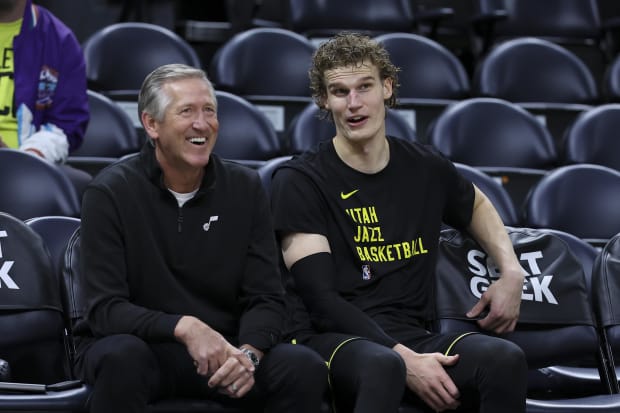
[[50, 74]]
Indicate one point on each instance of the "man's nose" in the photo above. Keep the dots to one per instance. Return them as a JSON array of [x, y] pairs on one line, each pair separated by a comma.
[[200, 121], [353, 99]]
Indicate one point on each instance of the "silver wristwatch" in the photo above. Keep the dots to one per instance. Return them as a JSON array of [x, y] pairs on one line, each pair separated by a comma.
[[252, 356]]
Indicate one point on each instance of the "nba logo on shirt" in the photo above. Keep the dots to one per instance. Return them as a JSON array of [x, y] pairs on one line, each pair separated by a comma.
[[366, 275]]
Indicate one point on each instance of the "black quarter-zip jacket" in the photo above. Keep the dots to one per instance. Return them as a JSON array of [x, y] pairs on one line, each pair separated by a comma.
[[146, 261]]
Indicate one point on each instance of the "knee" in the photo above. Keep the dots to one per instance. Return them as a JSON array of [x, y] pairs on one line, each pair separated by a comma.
[[515, 357], [124, 372], [127, 358], [304, 359], [386, 367], [507, 356], [295, 365]]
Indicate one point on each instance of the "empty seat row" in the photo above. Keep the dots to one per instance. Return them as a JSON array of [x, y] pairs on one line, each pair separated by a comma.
[[251, 65], [471, 28], [431, 76], [509, 142]]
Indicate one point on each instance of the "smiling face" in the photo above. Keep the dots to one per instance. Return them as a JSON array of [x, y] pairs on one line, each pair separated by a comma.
[[355, 96], [187, 133]]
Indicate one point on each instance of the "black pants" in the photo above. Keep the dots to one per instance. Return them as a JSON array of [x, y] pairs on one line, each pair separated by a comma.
[[128, 373], [366, 377]]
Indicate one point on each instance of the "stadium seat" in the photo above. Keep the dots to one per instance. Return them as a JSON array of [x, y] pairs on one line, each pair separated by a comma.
[[606, 290], [555, 310], [32, 326], [318, 19], [430, 77], [582, 377], [269, 68], [245, 133], [611, 80], [593, 137], [499, 138], [32, 187], [308, 129], [267, 169], [110, 135], [558, 77], [576, 25], [321, 19], [119, 56], [55, 232], [543, 77], [582, 199], [496, 193]]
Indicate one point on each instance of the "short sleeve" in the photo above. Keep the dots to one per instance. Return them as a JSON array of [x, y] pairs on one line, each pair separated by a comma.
[[297, 203], [460, 197]]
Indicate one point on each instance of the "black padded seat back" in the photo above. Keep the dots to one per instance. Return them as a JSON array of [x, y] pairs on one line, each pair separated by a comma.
[[582, 199], [606, 287], [428, 69], [31, 318], [593, 137], [493, 132], [529, 69], [28, 281], [119, 56], [555, 306], [265, 171], [73, 301], [32, 187], [245, 132], [576, 20], [499, 197], [316, 18], [110, 131], [263, 61], [55, 231], [611, 80]]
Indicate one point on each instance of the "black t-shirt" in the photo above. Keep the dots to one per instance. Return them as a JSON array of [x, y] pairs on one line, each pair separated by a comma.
[[383, 228]]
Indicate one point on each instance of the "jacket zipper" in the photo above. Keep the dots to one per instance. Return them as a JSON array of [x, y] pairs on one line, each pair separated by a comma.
[[180, 220]]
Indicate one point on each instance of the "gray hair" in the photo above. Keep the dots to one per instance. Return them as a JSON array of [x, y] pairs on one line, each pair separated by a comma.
[[153, 100]]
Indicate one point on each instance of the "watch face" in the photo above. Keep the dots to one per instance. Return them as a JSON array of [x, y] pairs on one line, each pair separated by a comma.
[[253, 358]]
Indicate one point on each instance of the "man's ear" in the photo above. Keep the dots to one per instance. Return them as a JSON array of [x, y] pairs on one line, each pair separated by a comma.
[[150, 125], [323, 102], [387, 88]]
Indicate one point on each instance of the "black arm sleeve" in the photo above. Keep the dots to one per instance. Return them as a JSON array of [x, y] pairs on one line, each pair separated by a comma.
[[313, 277]]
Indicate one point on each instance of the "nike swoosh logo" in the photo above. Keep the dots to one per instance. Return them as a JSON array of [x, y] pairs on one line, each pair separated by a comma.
[[348, 195]]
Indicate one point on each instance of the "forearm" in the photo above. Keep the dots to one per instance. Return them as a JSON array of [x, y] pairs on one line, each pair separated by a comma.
[[328, 310], [503, 297], [489, 231], [186, 327], [111, 316]]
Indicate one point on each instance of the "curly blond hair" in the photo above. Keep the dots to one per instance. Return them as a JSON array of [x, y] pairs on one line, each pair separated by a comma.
[[346, 49]]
